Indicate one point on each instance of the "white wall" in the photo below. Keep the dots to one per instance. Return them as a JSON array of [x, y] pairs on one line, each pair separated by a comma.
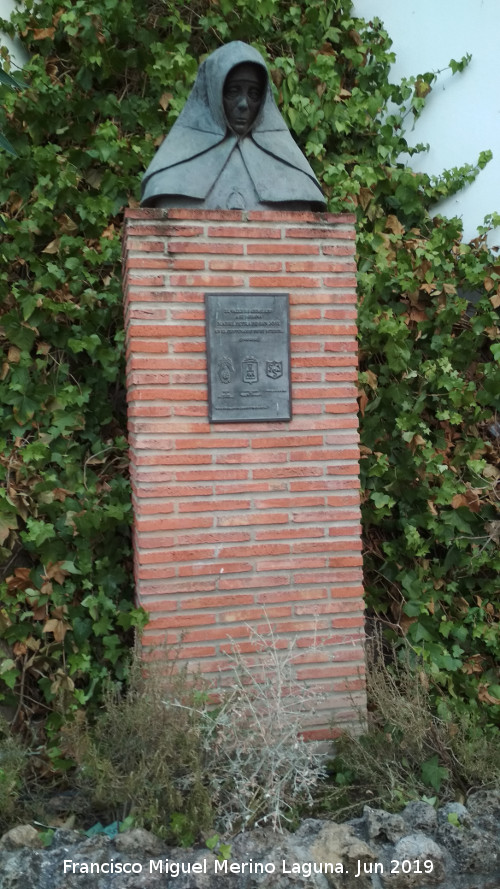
[[462, 116], [16, 49]]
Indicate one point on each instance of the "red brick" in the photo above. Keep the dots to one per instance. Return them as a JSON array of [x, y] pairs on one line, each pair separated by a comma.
[[169, 394], [201, 602], [244, 265], [265, 518], [206, 280], [287, 472], [345, 281], [217, 568], [187, 265], [180, 620], [174, 523], [289, 533], [254, 582], [243, 232], [283, 215], [171, 459], [325, 330], [319, 266], [289, 595], [282, 249], [211, 442], [193, 539], [280, 281], [139, 345], [166, 231], [287, 441], [246, 614], [246, 488], [203, 506], [291, 563], [336, 250], [254, 550], [195, 213], [341, 576], [144, 281], [148, 314], [134, 262], [203, 247], [165, 331], [185, 653], [154, 573], [187, 314], [317, 233], [148, 246], [209, 474], [176, 588]]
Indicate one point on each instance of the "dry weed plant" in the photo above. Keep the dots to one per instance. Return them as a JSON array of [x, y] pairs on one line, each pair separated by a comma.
[[260, 767], [141, 758], [179, 764], [13, 765], [409, 752]]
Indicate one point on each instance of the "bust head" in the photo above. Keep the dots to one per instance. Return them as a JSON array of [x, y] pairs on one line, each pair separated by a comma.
[[242, 96]]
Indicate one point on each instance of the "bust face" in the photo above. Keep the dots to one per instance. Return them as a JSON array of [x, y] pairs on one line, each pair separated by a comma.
[[243, 92]]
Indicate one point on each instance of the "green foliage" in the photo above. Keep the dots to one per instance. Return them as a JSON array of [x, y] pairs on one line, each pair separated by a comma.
[[105, 82]]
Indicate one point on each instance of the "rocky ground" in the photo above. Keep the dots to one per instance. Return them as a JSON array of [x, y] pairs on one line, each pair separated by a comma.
[[455, 847]]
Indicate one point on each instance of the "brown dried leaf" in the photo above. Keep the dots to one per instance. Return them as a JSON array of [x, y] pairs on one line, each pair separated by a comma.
[[449, 289], [393, 225], [42, 33], [491, 471], [495, 300], [405, 623], [459, 500], [57, 627], [433, 511], [485, 697], [56, 572], [53, 246], [363, 401], [66, 224], [364, 197], [40, 612], [20, 580], [165, 100]]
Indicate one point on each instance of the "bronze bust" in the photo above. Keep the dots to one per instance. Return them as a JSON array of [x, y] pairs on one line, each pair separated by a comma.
[[230, 148]]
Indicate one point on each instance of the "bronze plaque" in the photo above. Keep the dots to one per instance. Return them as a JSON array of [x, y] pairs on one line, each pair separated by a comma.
[[248, 352]]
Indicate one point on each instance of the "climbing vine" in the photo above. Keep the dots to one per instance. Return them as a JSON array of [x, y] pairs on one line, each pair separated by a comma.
[[104, 82]]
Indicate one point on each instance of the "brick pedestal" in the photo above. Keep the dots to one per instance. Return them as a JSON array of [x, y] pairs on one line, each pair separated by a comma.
[[241, 524]]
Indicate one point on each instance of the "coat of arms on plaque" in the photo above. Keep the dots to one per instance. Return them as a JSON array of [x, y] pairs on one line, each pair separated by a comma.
[[274, 369], [225, 370], [250, 370]]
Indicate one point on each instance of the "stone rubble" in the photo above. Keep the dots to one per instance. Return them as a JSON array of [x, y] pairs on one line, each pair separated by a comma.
[[415, 849]]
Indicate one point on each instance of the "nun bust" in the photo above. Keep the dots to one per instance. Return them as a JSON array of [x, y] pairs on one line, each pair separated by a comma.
[[230, 148]]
